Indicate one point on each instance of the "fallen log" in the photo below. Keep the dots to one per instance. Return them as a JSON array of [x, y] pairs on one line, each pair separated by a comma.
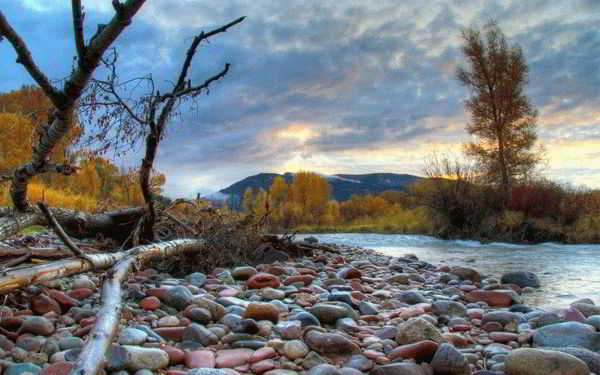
[[79, 224], [90, 360], [18, 278]]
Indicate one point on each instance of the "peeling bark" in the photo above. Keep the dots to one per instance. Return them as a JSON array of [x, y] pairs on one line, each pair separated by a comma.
[[11, 280], [12, 224]]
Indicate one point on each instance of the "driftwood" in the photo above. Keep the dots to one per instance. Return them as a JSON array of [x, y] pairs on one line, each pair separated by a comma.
[[108, 317], [113, 224], [18, 278]]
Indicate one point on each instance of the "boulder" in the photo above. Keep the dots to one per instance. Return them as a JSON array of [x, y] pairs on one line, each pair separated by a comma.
[[527, 361]]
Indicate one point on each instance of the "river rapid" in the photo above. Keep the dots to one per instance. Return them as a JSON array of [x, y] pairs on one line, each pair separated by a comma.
[[566, 272]]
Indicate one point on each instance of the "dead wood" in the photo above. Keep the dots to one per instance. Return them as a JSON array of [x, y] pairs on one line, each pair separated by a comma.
[[14, 279], [107, 322]]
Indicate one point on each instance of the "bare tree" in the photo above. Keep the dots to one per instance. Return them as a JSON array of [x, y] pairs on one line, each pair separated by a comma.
[[146, 115], [502, 117]]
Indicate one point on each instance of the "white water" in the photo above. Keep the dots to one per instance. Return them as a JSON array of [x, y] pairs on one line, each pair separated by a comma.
[[566, 272]]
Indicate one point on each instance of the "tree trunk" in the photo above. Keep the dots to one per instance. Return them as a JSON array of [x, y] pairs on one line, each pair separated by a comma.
[[11, 225]]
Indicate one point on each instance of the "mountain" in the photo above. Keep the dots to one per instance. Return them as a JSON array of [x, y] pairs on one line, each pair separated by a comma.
[[343, 185]]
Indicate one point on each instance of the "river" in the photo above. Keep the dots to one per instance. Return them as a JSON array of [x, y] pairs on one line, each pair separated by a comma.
[[566, 272]]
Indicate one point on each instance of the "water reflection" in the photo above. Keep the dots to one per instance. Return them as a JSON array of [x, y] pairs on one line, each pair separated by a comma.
[[567, 272]]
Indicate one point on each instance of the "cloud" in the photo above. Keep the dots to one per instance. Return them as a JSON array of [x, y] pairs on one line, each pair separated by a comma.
[[334, 86]]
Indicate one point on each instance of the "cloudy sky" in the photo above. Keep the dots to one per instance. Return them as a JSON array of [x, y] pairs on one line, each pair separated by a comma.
[[335, 86]]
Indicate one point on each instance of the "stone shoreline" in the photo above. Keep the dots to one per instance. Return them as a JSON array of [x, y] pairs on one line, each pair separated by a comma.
[[331, 314]]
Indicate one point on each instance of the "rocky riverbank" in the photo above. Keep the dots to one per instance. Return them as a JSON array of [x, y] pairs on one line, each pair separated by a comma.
[[343, 313]]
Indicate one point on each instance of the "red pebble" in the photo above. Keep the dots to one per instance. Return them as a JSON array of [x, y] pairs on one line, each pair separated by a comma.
[[80, 293], [58, 368], [150, 303], [263, 280], [176, 355]]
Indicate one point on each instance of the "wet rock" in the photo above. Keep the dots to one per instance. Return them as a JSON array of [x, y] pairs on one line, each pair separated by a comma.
[[137, 358], [132, 336], [243, 272], [263, 280], [417, 329], [230, 358], [330, 343], [521, 278], [324, 369], [200, 358], [42, 304], [527, 361], [494, 298], [359, 362], [179, 297], [422, 351], [398, 369], [368, 308], [198, 333], [465, 273], [567, 334], [295, 349], [271, 293], [329, 313], [591, 359], [59, 368], [150, 303], [448, 308], [22, 369], [217, 311], [587, 309], [262, 311], [210, 371], [412, 297], [291, 329], [449, 361], [196, 279], [38, 325], [198, 314]]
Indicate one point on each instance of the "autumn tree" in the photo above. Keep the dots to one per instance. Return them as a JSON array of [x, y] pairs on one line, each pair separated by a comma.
[[502, 117]]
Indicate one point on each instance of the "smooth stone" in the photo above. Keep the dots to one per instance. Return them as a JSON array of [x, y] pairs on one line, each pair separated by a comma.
[[422, 351], [38, 325], [249, 344], [324, 369], [198, 314], [262, 354], [137, 358], [150, 303], [262, 311], [210, 371], [412, 297], [179, 297], [330, 343], [449, 361], [246, 326], [168, 321], [58, 368], [42, 304], [291, 329], [217, 311], [22, 369], [359, 362], [200, 358], [398, 369], [527, 361], [263, 280], [307, 319], [567, 334], [243, 272], [67, 343], [591, 359], [587, 309], [263, 366], [494, 298], [368, 308], [417, 329], [132, 336], [230, 358], [466, 273], [329, 313], [271, 293], [198, 333], [295, 349], [451, 308], [196, 279], [521, 278]]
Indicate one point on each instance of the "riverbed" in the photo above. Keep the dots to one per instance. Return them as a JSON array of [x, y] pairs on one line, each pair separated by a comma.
[[566, 272]]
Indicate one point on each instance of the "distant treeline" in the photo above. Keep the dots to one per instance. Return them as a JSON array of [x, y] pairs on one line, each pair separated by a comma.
[[537, 211]]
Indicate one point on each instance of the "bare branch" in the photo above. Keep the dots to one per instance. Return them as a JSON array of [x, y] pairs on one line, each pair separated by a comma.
[[197, 89], [78, 17], [24, 58], [63, 236]]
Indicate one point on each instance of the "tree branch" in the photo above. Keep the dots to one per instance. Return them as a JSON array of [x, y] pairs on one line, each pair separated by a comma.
[[78, 17], [196, 90], [63, 236], [24, 58]]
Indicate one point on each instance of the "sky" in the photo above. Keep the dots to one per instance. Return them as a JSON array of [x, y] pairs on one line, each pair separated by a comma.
[[333, 86]]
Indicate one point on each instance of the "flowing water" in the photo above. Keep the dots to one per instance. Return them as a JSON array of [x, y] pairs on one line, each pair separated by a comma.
[[566, 272]]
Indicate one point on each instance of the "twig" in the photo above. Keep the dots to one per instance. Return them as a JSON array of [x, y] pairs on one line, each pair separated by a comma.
[[186, 226], [63, 236], [16, 261]]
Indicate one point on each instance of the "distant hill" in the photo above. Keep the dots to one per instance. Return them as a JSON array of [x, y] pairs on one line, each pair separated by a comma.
[[343, 185]]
